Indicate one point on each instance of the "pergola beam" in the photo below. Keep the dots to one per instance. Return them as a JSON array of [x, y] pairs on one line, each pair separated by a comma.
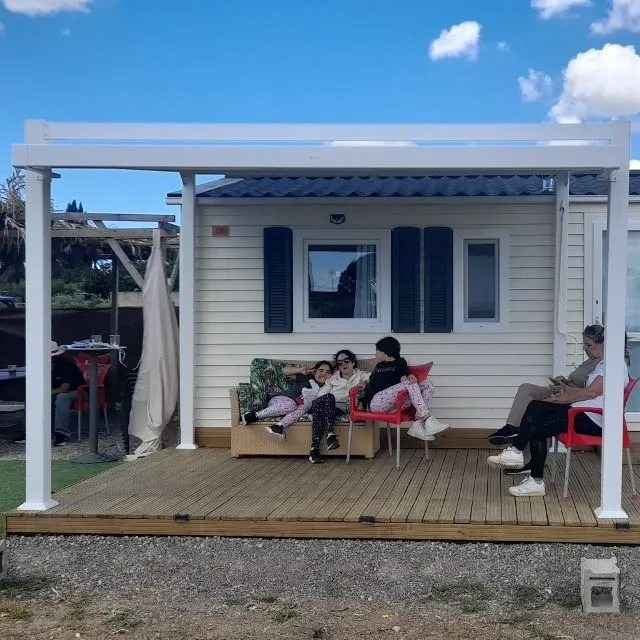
[[114, 217], [143, 131], [97, 233], [320, 160]]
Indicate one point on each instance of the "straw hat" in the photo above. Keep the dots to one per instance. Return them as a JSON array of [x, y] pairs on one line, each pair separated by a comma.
[[55, 349]]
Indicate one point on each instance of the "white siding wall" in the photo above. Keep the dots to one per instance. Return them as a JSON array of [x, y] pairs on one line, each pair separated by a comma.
[[475, 374]]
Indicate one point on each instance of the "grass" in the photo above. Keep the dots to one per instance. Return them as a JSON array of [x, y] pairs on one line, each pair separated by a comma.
[[63, 473]]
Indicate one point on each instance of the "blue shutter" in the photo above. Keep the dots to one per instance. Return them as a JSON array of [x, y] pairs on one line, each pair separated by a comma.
[[438, 280], [278, 280], [405, 280]]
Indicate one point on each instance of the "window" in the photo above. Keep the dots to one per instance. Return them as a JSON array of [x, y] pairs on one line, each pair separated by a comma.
[[343, 277], [481, 280]]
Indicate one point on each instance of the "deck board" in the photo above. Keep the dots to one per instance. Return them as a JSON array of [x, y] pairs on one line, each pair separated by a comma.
[[452, 496]]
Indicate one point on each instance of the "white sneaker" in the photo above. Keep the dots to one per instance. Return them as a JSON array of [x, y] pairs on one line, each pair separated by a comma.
[[432, 426], [417, 430], [528, 487], [510, 458]]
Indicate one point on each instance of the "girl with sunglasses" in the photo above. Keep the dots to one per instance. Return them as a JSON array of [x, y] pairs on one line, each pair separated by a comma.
[[332, 400]]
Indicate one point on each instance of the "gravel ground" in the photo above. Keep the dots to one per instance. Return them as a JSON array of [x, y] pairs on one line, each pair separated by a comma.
[[246, 588]]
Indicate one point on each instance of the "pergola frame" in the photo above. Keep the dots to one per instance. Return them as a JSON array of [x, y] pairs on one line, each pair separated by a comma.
[[240, 150]]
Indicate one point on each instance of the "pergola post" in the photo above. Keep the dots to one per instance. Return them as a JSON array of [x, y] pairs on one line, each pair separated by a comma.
[[187, 315], [615, 312], [38, 345]]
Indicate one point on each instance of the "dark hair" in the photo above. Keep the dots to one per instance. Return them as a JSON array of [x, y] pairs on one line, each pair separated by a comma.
[[594, 332], [389, 346], [317, 365], [349, 354]]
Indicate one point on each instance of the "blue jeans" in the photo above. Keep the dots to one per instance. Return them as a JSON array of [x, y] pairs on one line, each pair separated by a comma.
[[61, 410]]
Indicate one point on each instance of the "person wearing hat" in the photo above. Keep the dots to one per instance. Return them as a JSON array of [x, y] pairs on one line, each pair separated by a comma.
[[65, 380]]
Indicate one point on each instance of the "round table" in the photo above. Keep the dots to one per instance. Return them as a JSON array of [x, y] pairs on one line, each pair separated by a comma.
[[92, 456]]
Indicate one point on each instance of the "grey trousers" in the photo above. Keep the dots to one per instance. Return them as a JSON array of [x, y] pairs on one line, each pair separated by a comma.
[[62, 411], [528, 392], [524, 395]]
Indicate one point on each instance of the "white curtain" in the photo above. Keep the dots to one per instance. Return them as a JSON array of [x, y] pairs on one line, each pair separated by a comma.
[[365, 302], [156, 392]]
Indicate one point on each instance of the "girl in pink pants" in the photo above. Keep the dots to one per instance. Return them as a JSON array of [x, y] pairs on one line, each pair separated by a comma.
[[390, 376]]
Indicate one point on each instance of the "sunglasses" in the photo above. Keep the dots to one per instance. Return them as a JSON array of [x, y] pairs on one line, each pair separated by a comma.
[[344, 361]]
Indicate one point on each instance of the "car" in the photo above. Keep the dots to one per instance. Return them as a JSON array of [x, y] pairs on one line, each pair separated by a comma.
[[10, 302]]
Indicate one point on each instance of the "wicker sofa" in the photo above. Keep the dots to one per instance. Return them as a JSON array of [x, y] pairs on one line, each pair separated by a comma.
[[266, 378]]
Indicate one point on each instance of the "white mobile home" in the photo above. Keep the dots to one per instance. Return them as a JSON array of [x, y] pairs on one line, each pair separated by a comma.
[[462, 268]]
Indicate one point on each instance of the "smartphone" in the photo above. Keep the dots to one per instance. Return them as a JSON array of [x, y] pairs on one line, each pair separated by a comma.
[[558, 381]]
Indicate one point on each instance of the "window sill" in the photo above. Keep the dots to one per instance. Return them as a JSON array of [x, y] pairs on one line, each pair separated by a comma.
[[341, 326]]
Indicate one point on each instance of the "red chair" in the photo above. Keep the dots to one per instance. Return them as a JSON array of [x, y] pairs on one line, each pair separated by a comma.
[[397, 417], [572, 439], [82, 362], [82, 402]]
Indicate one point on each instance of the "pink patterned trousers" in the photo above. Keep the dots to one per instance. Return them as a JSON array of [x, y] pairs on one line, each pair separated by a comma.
[[282, 406], [420, 395]]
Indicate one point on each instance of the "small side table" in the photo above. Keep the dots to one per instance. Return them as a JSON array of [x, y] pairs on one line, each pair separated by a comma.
[[92, 456]]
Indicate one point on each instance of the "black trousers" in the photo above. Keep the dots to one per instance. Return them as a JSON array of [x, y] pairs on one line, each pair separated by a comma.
[[543, 420], [325, 413]]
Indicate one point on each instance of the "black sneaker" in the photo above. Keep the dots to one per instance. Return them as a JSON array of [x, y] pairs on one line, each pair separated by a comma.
[[59, 439], [332, 441], [315, 457], [518, 471], [276, 430], [504, 436], [249, 417]]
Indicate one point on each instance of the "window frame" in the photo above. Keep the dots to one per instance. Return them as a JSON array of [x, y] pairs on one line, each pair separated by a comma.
[[461, 240], [302, 238]]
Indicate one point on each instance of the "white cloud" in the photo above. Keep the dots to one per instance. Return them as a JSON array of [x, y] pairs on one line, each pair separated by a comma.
[[551, 8], [624, 15], [503, 46], [601, 83], [45, 7], [535, 85], [460, 41], [634, 165], [66, 32]]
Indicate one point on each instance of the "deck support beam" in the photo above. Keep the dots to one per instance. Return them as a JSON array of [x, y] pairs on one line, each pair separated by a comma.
[[615, 319], [38, 347], [187, 314]]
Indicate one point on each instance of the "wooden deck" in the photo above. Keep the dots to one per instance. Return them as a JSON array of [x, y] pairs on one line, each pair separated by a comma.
[[452, 496]]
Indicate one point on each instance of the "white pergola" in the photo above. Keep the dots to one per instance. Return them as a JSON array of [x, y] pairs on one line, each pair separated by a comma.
[[304, 150]]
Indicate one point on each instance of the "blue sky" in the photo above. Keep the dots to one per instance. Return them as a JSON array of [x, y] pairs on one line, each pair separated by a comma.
[[295, 61]]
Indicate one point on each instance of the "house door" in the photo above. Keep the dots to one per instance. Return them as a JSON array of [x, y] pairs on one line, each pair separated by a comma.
[[599, 292]]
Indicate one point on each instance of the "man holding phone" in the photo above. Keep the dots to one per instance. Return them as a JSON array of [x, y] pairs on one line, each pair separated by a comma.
[[528, 392]]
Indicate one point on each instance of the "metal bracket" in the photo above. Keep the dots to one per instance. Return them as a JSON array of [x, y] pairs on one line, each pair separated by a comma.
[[181, 517], [622, 526], [367, 520]]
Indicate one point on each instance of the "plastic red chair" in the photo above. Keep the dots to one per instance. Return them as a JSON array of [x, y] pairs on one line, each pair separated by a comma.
[[82, 362], [397, 417], [82, 402], [572, 439]]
